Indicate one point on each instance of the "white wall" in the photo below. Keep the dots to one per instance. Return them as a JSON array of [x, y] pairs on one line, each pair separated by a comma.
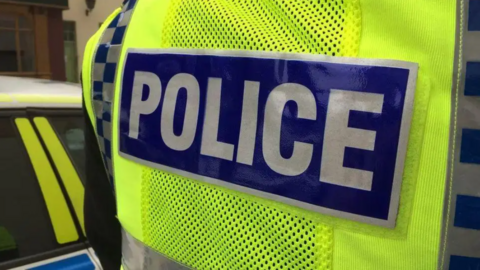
[[88, 25]]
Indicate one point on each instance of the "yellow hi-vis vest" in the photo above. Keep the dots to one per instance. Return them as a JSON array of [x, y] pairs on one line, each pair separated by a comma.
[[268, 134]]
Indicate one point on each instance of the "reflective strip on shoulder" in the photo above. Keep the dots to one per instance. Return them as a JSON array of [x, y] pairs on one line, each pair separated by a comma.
[[137, 255], [461, 231], [103, 76]]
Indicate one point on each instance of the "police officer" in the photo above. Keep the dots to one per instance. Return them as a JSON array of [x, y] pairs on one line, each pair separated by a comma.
[[268, 134]]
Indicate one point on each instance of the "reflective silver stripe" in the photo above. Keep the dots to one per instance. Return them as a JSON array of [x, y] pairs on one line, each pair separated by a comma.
[[460, 242], [137, 256]]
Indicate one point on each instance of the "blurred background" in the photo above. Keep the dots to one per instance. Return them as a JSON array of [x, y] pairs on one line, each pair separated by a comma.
[[46, 38], [42, 147]]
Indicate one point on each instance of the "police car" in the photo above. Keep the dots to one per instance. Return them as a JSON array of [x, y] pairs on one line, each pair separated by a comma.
[[41, 176]]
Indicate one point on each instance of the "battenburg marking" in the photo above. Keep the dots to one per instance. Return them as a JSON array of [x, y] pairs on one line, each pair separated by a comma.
[[322, 133]]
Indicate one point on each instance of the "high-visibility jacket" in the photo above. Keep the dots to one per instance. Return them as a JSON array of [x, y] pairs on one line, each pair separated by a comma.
[[288, 134]]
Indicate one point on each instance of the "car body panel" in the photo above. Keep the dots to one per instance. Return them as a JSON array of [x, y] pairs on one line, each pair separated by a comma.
[[23, 93], [60, 105], [79, 260]]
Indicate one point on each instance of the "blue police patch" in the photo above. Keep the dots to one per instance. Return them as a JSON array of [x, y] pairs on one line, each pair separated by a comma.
[[327, 134]]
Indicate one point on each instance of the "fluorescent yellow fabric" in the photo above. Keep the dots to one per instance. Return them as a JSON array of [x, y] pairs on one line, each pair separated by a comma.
[[417, 31], [62, 222], [64, 166], [213, 228], [318, 27], [422, 32], [162, 229], [87, 74], [127, 191], [286, 26], [128, 175]]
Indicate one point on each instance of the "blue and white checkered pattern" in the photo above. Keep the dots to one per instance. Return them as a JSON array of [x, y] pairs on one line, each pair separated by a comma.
[[463, 231], [104, 68]]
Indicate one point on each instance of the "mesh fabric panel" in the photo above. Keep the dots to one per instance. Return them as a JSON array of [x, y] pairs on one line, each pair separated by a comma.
[[209, 227], [330, 27]]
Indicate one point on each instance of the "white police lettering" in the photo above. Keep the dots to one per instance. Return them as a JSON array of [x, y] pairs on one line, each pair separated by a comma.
[[307, 109], [184, 140], [326, 134], [337, 133], [210, 145], [248, 127], [338, 136], [147, 106]]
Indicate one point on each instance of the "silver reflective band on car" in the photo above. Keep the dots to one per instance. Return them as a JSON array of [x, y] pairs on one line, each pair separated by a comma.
[[136, 255]]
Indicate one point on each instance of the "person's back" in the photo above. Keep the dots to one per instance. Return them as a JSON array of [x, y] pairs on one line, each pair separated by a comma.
[[269, 134]]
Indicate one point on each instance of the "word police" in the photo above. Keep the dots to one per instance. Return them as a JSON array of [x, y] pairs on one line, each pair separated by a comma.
[[337, 136], [298, 129]]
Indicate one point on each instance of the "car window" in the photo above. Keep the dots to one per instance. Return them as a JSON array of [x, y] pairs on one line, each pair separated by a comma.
[[70, 130], [25, 226]]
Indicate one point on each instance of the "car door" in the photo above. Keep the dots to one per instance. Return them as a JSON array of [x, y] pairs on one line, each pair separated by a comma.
[[41, 190]]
